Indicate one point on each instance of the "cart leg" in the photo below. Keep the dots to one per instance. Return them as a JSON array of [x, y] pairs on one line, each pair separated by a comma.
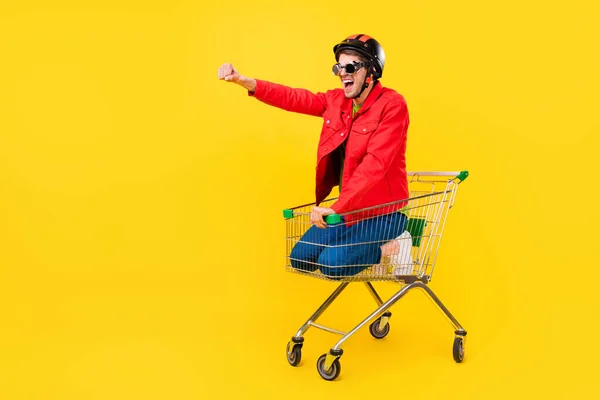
[[336, 350], [386, 315], [374, 293], [459, 330], [298, 337], [460, 335], [330, 360], [294, 346]]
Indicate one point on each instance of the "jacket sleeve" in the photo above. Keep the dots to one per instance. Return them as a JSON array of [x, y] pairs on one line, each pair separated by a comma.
[[290, 99], [384, 145]]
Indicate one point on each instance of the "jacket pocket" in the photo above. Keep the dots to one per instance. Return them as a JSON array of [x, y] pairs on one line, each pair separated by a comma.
[[365, 128], [328, 130]]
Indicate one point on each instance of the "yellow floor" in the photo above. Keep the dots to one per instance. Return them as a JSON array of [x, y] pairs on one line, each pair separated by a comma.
[[164, 342]]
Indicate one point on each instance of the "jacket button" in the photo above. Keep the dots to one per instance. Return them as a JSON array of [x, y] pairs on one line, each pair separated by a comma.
[[342, 134], [364, 129], [328, 121]]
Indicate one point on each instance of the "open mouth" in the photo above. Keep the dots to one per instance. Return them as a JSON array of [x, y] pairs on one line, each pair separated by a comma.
[[348, 84]]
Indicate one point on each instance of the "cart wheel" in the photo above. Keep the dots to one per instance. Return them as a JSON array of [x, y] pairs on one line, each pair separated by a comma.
[[295, 355], [377, 331], [458, 351], [333, 372]]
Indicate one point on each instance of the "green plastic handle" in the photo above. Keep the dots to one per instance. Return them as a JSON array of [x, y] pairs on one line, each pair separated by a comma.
[[333, 219], [463, 175]]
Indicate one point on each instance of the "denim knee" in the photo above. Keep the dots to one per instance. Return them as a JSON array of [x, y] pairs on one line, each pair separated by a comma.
[[299, 258], [334, 264]]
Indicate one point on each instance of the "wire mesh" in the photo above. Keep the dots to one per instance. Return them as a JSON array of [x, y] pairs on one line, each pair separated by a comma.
[[388, 242]]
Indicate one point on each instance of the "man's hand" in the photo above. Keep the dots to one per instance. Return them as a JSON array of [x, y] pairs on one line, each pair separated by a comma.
[[228, 73], [317, 214]]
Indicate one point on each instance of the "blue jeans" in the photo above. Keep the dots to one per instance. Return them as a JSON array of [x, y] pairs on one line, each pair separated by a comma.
[[341, 250]]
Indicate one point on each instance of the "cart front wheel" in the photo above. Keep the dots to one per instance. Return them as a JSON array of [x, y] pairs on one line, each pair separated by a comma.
[[458, 350], [377, 331], [295, 355], [330, 374]]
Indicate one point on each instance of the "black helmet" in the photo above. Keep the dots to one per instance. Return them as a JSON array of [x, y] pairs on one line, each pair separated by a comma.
[[365, 45]]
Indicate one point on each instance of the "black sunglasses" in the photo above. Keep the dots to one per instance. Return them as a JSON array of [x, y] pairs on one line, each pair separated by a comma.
[[350, 68]]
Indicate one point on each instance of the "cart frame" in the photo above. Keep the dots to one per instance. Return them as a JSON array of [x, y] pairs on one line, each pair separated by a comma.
[[328, 365]]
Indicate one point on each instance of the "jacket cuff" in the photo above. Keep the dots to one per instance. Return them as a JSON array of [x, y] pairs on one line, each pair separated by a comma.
[[259, 89], [336, 207]]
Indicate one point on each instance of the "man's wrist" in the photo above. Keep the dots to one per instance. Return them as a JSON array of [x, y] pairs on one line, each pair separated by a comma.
[[248, 83]]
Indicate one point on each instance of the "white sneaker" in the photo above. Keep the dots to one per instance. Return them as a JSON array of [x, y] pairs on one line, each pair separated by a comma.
[[403, 262]]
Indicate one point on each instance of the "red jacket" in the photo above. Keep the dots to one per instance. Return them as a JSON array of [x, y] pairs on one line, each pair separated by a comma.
[[375, 162]]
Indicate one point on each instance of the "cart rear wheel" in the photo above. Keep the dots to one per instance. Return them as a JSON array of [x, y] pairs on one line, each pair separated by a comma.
[[377, 331], [458, 350], [330, 374], [295, 355]]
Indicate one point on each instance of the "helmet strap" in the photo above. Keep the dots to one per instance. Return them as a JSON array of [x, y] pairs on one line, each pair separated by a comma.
[[368, 80]]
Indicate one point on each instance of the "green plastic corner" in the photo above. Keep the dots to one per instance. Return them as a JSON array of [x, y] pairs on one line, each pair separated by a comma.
[[463, 175], [333, 219], [415, 227], [287, 214]]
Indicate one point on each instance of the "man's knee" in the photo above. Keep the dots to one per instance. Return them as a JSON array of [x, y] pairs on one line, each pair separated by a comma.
[[338, 263], [332, 262], [301, 257]]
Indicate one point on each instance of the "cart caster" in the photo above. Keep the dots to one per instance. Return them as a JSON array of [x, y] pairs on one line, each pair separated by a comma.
[[333, 372], [377, 331], [458, 350], [294, 353]]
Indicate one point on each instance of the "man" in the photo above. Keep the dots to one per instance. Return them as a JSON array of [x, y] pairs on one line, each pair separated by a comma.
[[361, 148]]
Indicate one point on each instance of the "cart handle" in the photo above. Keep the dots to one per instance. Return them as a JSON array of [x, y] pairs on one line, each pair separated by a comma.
[[330, 219], [333, 219], [460, 175], [463, 175]]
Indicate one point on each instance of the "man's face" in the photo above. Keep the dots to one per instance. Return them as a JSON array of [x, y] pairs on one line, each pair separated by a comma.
[[351, 83]]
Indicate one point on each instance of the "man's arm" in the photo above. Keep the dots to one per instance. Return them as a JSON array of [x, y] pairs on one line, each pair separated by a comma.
[[381, 151], [284, 97]]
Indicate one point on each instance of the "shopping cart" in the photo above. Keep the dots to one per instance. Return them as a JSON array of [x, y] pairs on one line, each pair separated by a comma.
[[405, 235]]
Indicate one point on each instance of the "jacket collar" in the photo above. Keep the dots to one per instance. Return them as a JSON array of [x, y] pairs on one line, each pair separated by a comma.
[[371, 98]]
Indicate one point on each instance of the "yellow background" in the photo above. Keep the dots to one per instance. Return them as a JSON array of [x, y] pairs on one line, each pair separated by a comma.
[[141, 234]]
